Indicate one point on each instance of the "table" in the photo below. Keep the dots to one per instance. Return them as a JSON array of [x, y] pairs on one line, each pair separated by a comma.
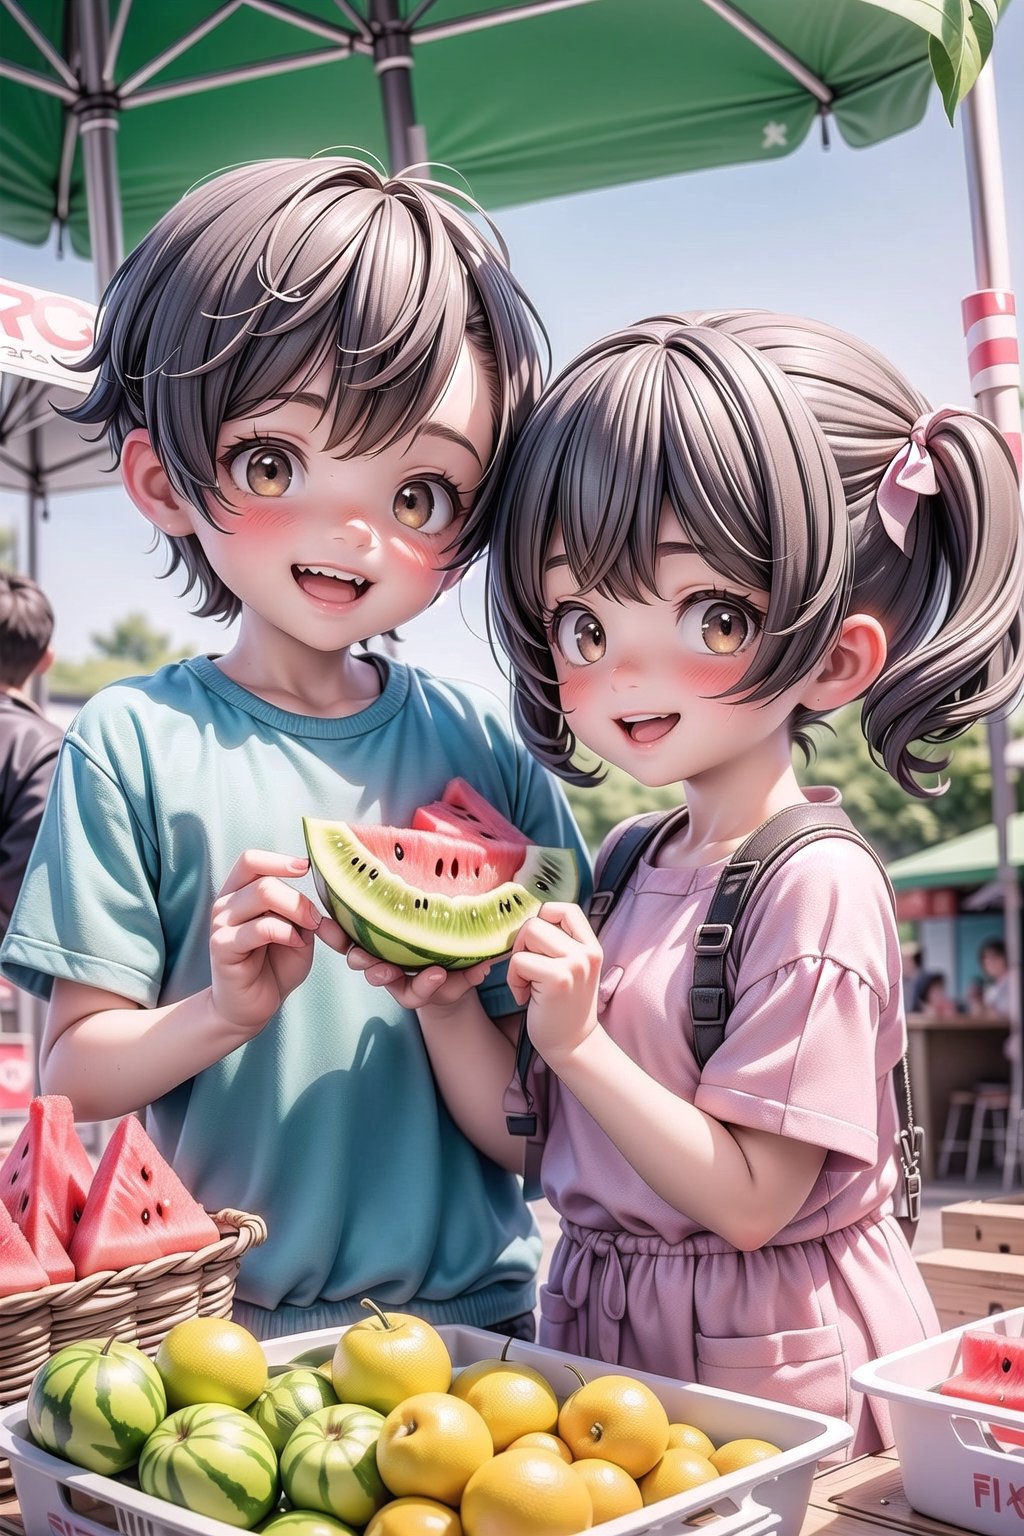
[[949, 1053]]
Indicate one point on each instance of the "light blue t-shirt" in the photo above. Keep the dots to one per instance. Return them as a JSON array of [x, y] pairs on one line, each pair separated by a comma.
[[327, 1123]]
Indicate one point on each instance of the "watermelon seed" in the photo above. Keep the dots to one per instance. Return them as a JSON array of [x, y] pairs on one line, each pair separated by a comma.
[[159, 1208], [145, 1173], [373, 874], [1006, 1365], [145, 1217], [455, 869], [24, 1204], [399, 851], [439, 866]]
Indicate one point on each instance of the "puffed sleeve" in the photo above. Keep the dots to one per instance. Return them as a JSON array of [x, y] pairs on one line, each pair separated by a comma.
[[816, 1020]]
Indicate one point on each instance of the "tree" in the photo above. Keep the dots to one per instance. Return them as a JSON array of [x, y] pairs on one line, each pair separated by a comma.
[[134, 639]]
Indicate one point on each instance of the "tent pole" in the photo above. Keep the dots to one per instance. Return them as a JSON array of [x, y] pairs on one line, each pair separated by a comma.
[[392, 60], [995, 380], [98, 127]]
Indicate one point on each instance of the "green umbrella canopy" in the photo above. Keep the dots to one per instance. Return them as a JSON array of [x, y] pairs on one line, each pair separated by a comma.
[[970, 859], [531, 100]]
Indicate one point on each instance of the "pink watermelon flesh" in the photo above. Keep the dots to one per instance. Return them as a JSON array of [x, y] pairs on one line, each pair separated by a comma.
[[138, 1209], [991, 1371], [20, 1270], [463, 812], [44, 1181], [434, 862]]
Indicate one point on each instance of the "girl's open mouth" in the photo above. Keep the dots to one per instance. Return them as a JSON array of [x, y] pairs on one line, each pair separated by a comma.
[[647, 728], [329, 585]]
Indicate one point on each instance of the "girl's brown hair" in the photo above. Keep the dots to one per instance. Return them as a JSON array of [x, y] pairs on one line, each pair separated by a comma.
[[769, 436]]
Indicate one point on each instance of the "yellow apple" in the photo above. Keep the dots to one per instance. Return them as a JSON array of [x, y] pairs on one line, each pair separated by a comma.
[[388, 1357]]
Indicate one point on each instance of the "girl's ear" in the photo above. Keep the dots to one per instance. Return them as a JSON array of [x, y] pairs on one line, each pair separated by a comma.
[[850, 668], [146, 482]]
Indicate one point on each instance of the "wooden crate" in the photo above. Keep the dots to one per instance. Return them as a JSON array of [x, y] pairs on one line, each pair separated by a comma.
[[988, 1226], [968, 1284]]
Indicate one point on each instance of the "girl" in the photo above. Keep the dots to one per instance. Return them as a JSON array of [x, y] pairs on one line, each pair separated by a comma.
[[717, 529]]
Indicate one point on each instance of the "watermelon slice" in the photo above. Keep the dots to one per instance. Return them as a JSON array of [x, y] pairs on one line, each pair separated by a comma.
[[44, 1180], [463, 812], [138, 1209], [20, 1270], [419, 898], [991, 1371]]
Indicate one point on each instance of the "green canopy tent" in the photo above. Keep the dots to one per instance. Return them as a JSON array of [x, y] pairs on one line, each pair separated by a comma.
[[972, 859]]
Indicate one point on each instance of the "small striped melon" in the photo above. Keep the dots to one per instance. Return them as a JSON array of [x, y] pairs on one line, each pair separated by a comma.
[[289, 1399], [95, 1402], [214, 1460], [330, 1463]]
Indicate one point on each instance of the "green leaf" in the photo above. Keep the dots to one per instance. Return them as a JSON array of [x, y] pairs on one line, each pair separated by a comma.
[[960, 38]]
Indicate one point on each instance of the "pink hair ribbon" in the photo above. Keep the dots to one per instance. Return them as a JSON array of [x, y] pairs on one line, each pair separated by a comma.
[[910, 475]]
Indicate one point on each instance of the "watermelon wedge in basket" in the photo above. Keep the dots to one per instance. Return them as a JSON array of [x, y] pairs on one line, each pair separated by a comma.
[[137, 1208], [43, 1182], [451, 890], [20, 1270]]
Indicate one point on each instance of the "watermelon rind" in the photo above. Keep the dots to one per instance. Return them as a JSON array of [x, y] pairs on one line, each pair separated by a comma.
[[306, 1522], [95, 1403], [213, 1460], [330, 1463], [388, 917]]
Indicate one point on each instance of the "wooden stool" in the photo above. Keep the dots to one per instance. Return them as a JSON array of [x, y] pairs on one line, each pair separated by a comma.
[[975, 1116]]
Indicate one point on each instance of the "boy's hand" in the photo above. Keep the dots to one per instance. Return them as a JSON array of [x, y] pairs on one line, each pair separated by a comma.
[[433, 987], [261, 937], [554, 972]]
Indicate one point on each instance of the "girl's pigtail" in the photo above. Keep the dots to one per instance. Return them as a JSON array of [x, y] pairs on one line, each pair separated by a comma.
[[951, 601]]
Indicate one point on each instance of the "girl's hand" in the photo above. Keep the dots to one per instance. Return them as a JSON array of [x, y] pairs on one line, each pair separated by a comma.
[[554, 973], [261, 938], [431, 988]]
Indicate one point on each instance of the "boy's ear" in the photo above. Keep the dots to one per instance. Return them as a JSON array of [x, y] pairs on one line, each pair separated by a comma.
[[851, 666], [146, 482]]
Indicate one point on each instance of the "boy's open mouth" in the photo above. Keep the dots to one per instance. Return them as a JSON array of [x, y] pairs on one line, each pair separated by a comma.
[[330, 585], [646, 728]]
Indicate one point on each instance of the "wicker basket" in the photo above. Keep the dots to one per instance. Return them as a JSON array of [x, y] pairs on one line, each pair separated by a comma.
[[139, 1305]]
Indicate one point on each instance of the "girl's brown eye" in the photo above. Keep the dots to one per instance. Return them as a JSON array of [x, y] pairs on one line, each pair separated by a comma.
[[579, 637], [265, 472], [425, 505], [718, 626]]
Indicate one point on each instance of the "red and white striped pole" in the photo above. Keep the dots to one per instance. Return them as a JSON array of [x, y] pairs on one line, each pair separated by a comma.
[[990, 326], [993, 358]]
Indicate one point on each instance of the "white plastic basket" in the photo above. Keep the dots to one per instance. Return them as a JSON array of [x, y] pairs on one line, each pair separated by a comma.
[[953, 1467], [772, 1497]]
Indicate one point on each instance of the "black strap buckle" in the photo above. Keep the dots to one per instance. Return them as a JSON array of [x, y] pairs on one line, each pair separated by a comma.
[[712, 938], [521, 1125]]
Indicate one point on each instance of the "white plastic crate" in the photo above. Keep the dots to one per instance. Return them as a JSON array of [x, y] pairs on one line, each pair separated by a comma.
[[953, 1466], [58, 1499]]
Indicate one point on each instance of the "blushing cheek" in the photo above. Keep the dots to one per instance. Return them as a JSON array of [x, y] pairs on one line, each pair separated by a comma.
[[266, 522], [706, 678], [576, 690]]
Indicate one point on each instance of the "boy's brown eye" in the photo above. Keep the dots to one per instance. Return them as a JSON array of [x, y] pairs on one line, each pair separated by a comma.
[[425, 505], [265, 472], [579, 637]]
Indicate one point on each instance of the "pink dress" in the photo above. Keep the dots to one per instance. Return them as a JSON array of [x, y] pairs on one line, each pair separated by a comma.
[[816, 1025]]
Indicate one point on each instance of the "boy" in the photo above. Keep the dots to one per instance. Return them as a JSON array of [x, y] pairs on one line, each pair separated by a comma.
[[28, 741], [311, 377]]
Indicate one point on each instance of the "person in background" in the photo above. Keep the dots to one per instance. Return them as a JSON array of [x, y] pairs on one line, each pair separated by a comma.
[[912, 961], [996, 970], [28, 741], [931, 995], [974, 997]]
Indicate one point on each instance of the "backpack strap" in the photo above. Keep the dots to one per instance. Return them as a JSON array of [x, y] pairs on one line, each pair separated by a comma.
[[753, 862], [710, 1003]]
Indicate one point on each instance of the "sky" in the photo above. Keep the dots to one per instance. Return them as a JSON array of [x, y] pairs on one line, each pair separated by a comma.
[[876, 240]]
